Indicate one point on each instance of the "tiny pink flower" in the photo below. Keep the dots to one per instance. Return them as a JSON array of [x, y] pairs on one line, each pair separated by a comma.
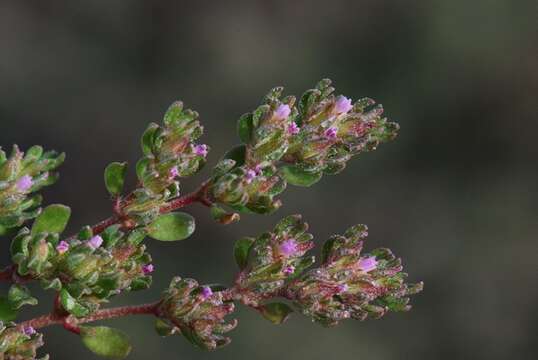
[[206, 292], [24, 183], [290, 269], [282, 111], [148, 269], [288, 248], [201, 150], [293, 129], [250, 175], [342, 104], [95, 242], [62, 247], [258, 170], [29, 331], [173, 173], [367, 264], [330, 133], [342, 288]]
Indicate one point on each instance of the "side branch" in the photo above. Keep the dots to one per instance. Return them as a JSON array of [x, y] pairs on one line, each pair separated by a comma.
[[70, 323]]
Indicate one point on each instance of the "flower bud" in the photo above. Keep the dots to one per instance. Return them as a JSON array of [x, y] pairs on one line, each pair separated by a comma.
[[350, 285], [198, 313]]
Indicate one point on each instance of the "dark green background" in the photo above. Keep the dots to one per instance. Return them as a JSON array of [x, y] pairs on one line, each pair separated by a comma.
[[455, 195]]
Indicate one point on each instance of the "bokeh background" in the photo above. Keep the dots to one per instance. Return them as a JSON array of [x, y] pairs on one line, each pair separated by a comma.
[[455, 195]]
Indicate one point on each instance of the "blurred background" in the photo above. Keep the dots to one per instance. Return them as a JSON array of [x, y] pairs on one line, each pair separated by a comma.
[[455, 195]]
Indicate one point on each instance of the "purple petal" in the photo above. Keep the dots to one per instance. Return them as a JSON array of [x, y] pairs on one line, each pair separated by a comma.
[[148, 269], [282, 111], [201, 150], [293, 129], [330, 133], [62, 247], [342, 105], [367, 264], [206, 292], [95, 242], [24, 183], [288, 248]]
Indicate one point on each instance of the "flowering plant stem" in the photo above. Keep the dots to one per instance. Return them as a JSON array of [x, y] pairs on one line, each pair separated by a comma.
[[9, 274], [71, 323]]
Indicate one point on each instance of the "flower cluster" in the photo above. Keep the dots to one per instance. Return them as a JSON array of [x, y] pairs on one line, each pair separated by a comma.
[[349, 284], [19, 343], [86, 271], [21, 175], [197, 312], [170, 152], [246, 179], [268, 261], [332, 130], [285, 144]]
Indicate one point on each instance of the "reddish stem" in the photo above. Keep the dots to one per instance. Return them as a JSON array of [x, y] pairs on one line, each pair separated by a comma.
[[71, 323]]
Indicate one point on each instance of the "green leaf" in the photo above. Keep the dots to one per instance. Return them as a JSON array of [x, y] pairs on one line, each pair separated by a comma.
[[106, 342], [19, 295], [276, 313], [162, 328], [53, 219], [174, 114], [148, 139], [241, 251], [71, 305], [222, 216], [115, 177], [237, 154], [299, 177], [245, 127], [327, 249], [172, 227], [7, 311]]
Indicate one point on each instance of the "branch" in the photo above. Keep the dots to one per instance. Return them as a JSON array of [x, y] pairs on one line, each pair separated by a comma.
[[70, 323], [9, 274]]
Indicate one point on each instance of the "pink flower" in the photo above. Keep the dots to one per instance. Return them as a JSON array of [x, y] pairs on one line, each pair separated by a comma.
[[62, 247], [342, 288], [29, 331], [342, 105], [293, 129], [173, 173], [367, 264], [258, 170], [282, 112], [250, 175], [95, 242], [201, 150], [206, 292], [290, 269], [24, 183], [288, 248], [330, 133], [148, 269]]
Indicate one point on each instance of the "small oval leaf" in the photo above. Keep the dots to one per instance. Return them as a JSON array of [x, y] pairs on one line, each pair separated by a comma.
[[241, 250], [276, 313], [71, 305], [245, 127], [19, 295], [237, 154], [172, 227], [299, 177], [53, 219], [115, 177], [7, 311], [106, 342]]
